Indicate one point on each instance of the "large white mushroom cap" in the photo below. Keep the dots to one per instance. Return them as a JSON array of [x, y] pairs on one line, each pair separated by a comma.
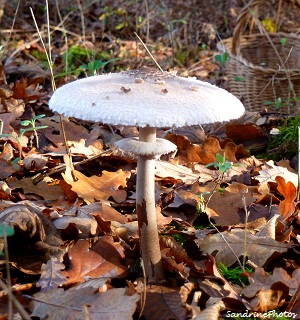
[[142, 98]]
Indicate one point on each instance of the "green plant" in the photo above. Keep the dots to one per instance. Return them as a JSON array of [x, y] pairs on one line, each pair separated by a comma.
[[279, 102], [239, 79], [283, 41], [109, 12], [285, 143], [222, 58], [34, 128], [94, 66], [78, 59], [180, 238], [221, 164], [6, 231], [201, 203], [234, 274]]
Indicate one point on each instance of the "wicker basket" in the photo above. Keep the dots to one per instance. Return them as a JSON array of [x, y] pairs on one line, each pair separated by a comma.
[[261, 71]]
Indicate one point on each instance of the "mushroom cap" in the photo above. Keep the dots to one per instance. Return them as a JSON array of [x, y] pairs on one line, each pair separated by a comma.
[[145, 98], [141, 148]]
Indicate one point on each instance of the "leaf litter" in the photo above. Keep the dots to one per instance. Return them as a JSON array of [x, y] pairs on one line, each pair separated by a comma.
[[76, 235]]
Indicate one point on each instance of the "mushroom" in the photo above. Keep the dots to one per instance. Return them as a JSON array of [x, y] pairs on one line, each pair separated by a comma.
[[148, 99]]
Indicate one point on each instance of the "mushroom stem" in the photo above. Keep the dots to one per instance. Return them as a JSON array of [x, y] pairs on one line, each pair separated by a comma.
[[146, 212]]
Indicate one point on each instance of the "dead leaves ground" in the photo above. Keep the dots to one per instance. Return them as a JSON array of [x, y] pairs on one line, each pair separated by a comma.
[[75, 251]]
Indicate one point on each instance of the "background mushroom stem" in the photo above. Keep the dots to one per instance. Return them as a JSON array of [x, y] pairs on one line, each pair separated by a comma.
[[146, 212]]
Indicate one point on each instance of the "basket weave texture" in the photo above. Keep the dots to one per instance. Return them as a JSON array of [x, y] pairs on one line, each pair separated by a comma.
[[261, 69]]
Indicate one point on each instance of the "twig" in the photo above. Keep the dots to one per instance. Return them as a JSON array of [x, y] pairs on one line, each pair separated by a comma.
[[17, 304], [247, 212], [144, 293], [39, 177], [293, 299], [278, 15], [46, 52], [150, 54]]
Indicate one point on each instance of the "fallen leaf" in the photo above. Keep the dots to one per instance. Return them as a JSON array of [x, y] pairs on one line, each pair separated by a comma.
[[34, 161], [224, 206], [165, 169], [51, 276], [289, 192], [98, 188], [270, 171], [86, 262], [258, 249], [77, 304], [262, 280], [49, 192], [164, 303], [271, 299]]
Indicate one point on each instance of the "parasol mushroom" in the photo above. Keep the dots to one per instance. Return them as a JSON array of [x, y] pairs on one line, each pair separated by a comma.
[[148, 99]]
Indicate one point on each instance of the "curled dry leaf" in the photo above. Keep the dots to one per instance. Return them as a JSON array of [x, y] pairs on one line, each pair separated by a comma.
[[289, 192], [271, 299], [214, 288], [34, 161], [35, 238]]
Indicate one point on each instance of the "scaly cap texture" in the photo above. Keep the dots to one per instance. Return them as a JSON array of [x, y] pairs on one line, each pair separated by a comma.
[[145, 98]]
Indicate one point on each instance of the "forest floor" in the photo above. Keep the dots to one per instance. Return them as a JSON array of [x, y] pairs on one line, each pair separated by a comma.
[[227, 201]]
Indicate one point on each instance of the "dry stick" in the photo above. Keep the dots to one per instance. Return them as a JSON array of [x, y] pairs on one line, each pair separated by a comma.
[[10, 295], [293, 299], [144, 293], [247, 212], [64, 33], [8, 288], [18, 288], [82, 20], [48, 32], [46, 52], [25, 45], [83, 28], [278, 14], [36, 179], [148, 24], [150, 54], [65, 307], [17, 304], [48, 56]]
